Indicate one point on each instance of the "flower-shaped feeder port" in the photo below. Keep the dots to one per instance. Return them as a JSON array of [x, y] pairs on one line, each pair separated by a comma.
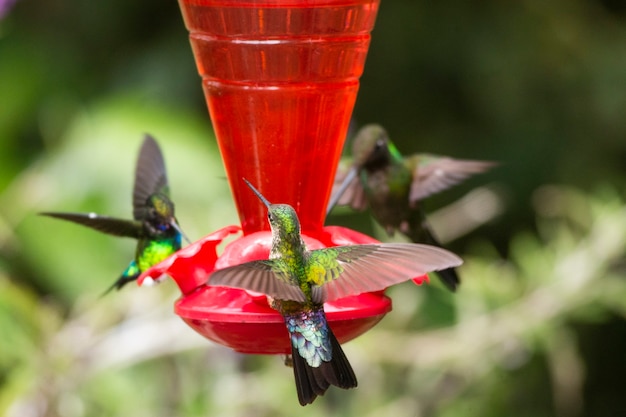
[[243, 320]]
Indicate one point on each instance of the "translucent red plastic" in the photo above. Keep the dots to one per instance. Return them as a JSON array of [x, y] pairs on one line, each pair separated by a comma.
[[280, 79], [237, 320]]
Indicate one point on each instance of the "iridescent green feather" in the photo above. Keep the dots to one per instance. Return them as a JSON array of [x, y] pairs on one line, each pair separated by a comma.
[[132, 270], [151, 252], [395, 153], [323, 265]]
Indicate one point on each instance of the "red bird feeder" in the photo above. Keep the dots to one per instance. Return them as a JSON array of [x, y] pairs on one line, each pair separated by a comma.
[[280, 78]]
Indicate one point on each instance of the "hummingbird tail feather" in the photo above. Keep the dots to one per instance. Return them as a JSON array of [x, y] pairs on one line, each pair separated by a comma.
[[340, 365], [313, 381], [121, 281], [449, 278], [307, 384]]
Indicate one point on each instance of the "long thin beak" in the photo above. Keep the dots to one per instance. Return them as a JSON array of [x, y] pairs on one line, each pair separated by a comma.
[[177, 228], [342, 189], [258, 194]]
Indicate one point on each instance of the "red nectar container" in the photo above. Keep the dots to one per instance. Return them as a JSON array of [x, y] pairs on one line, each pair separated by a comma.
[[280, 78]]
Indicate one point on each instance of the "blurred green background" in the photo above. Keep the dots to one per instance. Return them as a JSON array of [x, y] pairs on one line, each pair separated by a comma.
[[538, 326]]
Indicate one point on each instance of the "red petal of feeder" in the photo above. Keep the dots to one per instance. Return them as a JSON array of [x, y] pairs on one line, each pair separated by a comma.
[[190, 266]]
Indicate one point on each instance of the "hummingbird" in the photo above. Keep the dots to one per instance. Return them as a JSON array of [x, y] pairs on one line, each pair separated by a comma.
[[393, 186], [298, 282], [154, 224]]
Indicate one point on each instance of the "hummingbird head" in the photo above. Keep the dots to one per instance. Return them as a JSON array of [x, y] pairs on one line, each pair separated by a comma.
[[161, 213], [372, 148], [283, 220], [369, 144], [282, 217]]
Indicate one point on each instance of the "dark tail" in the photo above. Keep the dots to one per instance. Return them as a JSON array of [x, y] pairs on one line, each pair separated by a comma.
[[421, 232], [311, 382], [121, 281]]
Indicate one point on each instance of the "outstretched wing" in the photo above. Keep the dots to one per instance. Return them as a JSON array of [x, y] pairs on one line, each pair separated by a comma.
[[268, 277], [350, 270], [109, 225], [347, 189], [432, 174], [150, 176]]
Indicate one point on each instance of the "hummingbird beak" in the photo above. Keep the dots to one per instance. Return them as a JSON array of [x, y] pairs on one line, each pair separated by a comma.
[[258, 194], [177, 228], [342, 189]]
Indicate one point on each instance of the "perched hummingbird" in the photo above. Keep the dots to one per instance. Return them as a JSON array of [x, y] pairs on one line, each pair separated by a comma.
[[393, 186], [154, 226], [298, 282]]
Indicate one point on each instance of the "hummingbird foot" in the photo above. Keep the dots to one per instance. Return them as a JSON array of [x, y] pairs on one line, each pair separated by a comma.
[[288, 360]]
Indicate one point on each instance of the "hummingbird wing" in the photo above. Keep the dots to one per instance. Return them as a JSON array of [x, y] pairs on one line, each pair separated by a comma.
[[268, 277], [432, 174], [350, 270], [150, 176], [108, 225], [347, 189]]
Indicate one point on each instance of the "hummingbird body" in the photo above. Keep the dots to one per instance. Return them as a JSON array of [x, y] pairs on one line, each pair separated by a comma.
[[318, 359], [393, 186], [298, 282], [154, 224], [387, 193], [152, 251]]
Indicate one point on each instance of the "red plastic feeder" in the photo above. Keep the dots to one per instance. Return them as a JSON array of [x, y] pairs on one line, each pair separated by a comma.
[[243, 320], [280, 78]]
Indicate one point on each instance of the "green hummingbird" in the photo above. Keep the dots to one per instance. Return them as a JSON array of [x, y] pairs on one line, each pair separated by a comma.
[[298, 282], [154, 226], [393, 186]]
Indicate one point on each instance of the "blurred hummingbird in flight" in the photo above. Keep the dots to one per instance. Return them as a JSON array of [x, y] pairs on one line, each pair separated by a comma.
[[298, 282], [154, 224], [393, 186]]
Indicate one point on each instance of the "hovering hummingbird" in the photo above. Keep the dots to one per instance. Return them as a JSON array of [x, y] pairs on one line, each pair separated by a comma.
[[154, 226], [393, 185], [298, 282]]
